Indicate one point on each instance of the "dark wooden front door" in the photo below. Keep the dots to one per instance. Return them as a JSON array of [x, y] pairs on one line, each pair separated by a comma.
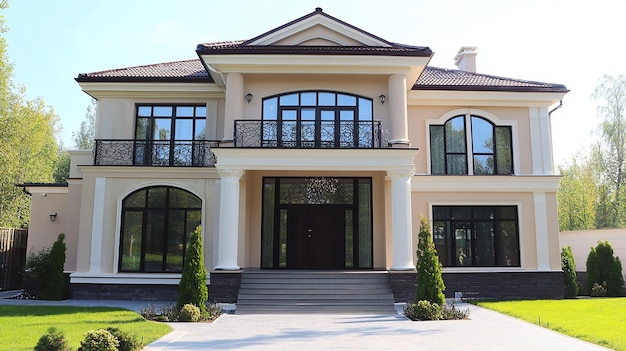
[[316, 237]]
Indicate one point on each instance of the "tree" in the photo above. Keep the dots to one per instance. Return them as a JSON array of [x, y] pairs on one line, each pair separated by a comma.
[[62, 167], [192, 287], [28, 144], [603, 268], [577, 195], [569, 273], [611, 97], [84, 139], [430, 285]]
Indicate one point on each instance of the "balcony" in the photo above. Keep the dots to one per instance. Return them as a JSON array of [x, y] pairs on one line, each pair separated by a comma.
[[155, 153], [347, 134]]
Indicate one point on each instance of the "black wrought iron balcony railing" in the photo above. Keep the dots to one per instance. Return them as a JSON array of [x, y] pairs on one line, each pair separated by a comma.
[[308, 134], [165, 153]]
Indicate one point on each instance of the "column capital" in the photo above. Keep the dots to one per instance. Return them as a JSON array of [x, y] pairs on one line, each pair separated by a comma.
[[400, 173], [230, 173]]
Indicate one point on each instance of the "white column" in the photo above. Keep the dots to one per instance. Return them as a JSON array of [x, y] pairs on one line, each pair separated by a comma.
[[399, 136], [228, 220], [401, 233], [95, 259], [541, 231], [234, 103]]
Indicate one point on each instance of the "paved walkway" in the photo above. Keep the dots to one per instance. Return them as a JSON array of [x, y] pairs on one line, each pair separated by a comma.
[[485, 331]]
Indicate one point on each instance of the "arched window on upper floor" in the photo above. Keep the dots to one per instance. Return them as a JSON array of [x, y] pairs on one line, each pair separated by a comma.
[[471, 144]]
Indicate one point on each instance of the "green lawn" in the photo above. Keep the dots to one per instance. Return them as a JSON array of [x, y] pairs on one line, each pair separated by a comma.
[[22, 326], [601, 321]]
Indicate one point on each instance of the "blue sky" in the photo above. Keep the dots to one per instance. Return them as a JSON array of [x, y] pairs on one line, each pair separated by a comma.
[[559, 41]]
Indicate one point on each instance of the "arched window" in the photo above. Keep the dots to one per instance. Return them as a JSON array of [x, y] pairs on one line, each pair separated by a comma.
[[483, 148], [156, 225]]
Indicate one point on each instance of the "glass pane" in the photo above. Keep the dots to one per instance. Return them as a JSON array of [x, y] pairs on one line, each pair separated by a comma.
[[162, 129], [141, 130], [441, 212], [456, 164], [175, 241], [482, 136], [130, 254], [437, 154], [349, 239], [485, 255], [184, 111], [136, 200], [270, 108], [440, 241], [180, 198], [155, 235], [308, 99], [346, 100], [507, 250], [144, 111], [289, 100], [463, 244], [184, 129], [162, 111], [346, 115], [289, 115], [307, 114], [483, 164], [483, 212], [327, 129], [365, 109], [326, 99], [504, 156], [455, 135], [365, 223], [156, 197], [461, 213], [200, 111], [200, 133], [267, 234], [282, 254], [507, 212]]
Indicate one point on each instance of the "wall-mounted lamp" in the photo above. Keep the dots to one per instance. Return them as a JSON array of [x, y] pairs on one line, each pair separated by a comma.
[[382, 98], [53, 217], [249, 97]]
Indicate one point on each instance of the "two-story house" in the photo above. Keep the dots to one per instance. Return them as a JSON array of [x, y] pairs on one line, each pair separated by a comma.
[[315, 146]]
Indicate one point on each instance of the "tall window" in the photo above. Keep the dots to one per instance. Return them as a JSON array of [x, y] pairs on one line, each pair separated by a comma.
[[468, 144], [156, 225], [484, 236], [320, 119], [165, 134]]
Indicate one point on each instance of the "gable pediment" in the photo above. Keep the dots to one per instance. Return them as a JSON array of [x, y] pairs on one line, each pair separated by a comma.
[[318, 29]]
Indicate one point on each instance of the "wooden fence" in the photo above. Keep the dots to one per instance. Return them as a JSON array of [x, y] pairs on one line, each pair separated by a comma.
[[12, 257]]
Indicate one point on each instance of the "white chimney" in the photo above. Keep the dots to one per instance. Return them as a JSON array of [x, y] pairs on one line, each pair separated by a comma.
[[465, 59]]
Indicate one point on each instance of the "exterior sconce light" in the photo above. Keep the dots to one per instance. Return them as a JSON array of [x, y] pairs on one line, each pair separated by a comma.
[[53, 217], [249, 97], [382, 98]]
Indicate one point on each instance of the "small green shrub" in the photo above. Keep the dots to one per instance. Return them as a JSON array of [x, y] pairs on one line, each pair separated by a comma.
[[598, 290], [44, 270], [189, 313], [570, 285], [149, 312], [127, 341], [53, 340], [192, 287], [450, 312], [605, 269], [423, 310], [430, 284], [213, 310], [99, 340]]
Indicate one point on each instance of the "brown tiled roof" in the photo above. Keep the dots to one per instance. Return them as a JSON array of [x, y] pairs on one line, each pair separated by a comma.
[[433, 78], [178, 71]]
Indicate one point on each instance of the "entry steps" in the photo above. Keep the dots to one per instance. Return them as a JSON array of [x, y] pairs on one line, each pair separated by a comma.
[[284, 292]]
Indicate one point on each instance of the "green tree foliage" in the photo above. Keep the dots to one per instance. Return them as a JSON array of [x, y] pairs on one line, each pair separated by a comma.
[[430, 285], [62, 167], [577, 195], [84, 139], [569, 273], [192, 287], [46, 269], [28, 145], [603, 268]]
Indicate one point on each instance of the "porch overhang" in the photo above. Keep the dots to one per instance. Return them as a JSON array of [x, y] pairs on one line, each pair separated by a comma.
[[386, 159]]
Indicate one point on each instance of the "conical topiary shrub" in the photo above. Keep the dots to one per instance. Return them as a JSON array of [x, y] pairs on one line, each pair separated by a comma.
[[430, 285], [192, 288]]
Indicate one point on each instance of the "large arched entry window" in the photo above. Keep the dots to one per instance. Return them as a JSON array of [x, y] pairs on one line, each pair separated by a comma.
[[319, 119], [156, 225]]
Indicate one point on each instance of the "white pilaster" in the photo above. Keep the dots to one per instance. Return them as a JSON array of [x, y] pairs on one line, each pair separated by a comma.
[[541, 141], [541, 231], [401, 233], [234, 103], [95, 258], [229, 220], [397, 110]]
